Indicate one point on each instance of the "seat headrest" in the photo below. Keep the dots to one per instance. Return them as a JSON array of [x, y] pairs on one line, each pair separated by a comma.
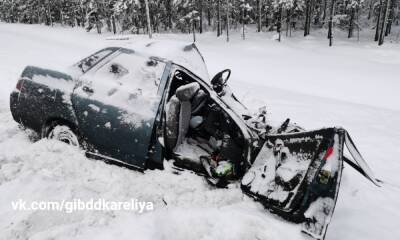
[[186, 92]]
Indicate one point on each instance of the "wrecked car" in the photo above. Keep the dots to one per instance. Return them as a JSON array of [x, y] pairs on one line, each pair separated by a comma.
[[138, 104]]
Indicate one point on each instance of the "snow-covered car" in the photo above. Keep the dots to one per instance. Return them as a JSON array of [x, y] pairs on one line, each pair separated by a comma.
[[139, 104]]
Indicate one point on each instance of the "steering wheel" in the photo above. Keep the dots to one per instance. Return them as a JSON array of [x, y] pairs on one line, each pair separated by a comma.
[[220, 79]]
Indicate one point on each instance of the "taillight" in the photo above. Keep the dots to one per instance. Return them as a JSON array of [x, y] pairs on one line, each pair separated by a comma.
[[328, 153], [19, 85]]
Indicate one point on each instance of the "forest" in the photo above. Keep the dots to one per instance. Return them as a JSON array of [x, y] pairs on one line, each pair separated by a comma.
[[219, 16]]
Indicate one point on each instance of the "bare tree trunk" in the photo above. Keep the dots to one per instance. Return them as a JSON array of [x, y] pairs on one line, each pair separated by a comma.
[[169, 13], [227, 20], [98, 24], [243, 25], [279, 22], [201, 16], [108, 22], [61, 17], [290, 25], [193, 30], [390, 20], [385, 16], [50, 17], [288, 19], [330, 26], [137, 24], [351, 23], [370, 9], [12, 12], [259, 16], [146, 2], [324, 11], [218, 18], [266, 19], [114, 28], [307, 13], [311, 13], [83, 17], [317, 18], [358, 21], [378, 21], [31, 16], [39, 14], [209, 13]]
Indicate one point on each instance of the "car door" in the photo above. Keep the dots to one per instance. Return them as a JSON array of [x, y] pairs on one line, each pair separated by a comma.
[[297, 176], [116, 103]]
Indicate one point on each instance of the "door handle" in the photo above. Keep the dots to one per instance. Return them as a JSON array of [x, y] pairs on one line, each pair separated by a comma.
[[87, 89]]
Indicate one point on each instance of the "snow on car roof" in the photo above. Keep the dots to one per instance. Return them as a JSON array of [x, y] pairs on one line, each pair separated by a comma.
[[181, 53]]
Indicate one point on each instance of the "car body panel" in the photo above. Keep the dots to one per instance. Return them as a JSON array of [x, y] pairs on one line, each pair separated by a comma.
[[45, 95], [297, 176], [116, 105]]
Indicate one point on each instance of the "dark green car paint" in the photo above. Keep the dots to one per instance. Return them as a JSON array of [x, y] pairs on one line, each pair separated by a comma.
[[37, 103], [119, 140]]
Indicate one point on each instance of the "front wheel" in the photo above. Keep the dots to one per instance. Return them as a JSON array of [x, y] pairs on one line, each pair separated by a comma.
[[64, 134]]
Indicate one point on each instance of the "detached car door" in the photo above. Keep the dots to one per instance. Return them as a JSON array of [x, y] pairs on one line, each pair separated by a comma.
[[116, 103], [297, 176]]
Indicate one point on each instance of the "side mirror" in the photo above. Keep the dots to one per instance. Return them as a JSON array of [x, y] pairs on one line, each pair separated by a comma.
[[220, 79]]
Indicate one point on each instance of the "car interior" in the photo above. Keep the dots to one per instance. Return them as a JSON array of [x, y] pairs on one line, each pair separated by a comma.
[[195, 125]]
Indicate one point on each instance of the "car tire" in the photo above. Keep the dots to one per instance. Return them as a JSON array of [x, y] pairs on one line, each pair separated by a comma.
[[63, 133]]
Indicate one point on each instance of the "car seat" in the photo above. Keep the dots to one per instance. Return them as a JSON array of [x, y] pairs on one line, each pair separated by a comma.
[[187, 101]]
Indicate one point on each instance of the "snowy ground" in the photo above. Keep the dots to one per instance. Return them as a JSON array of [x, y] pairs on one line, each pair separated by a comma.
[[354, 84]]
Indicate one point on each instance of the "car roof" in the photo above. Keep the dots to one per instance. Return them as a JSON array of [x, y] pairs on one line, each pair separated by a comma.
[[181, 53]]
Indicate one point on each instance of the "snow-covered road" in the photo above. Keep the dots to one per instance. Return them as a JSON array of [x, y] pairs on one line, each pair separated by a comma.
[[354, 85]]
